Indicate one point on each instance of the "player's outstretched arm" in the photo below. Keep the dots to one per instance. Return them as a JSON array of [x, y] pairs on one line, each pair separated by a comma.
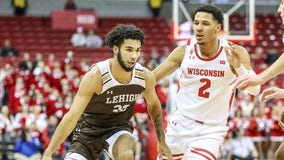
[[171, 64], [69, 121], [245, 81], [155, 112]]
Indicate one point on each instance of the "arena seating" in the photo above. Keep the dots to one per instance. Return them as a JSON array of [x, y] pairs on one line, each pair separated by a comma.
[[35, 35]]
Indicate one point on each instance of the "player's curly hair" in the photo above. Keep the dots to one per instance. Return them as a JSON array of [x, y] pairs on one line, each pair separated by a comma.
[[122, 32], [211, 9]]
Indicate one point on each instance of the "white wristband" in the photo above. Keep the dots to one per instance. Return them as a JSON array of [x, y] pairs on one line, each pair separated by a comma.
[[253, 90], [241, 70]]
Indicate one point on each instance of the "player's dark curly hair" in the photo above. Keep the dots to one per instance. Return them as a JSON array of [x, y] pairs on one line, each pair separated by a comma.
[[121, 32], [211, 9]]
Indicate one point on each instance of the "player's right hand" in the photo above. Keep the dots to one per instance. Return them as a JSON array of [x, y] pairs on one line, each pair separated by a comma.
[[164, 150]]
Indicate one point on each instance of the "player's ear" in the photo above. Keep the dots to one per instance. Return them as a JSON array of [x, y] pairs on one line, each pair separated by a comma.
[[115, 49], [218, 28]]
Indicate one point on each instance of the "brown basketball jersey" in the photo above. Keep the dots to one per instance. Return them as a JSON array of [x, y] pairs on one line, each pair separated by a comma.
[[107, 112], [114, 106]]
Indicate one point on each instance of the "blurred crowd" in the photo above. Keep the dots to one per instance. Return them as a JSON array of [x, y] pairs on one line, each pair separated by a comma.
[[36, 93]]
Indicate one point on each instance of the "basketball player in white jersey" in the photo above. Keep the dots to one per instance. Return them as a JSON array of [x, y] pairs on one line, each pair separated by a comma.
[[196, 129], [275, 69]]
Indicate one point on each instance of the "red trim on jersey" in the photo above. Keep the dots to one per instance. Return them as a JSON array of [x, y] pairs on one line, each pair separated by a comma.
[[207, 59], [231, 100], [188, 42], [199, 150]]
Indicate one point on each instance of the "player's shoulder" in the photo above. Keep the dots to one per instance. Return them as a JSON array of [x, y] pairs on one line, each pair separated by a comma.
[[94, 71]]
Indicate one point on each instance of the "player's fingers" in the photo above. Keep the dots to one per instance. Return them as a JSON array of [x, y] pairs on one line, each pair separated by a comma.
[[169, 155], [227, 51], [166, 152], [239, 83], [267, 94], [231, 43]]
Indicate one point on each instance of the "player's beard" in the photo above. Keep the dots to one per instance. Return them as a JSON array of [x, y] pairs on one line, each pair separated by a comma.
[[122, 64]]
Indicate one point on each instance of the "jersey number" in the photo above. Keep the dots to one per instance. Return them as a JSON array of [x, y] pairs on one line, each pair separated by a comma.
[[202, 90], [120, 108]]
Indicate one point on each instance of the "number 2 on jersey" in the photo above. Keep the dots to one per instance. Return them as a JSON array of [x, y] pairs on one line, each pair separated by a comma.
[[202, 90]]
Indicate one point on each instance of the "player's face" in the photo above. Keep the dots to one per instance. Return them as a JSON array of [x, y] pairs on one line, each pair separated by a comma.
[[281, 10], [128, 54], [205, 28]]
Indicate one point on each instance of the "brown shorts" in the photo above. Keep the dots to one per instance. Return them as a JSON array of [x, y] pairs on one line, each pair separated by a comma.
[[91, 145]]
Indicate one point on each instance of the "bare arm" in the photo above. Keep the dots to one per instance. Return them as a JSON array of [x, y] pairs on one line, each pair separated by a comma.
[[245, 81], [88, 86], [154, 106], [155, 112], [170, 64], [239, 60], [238, 56], [275, 69]]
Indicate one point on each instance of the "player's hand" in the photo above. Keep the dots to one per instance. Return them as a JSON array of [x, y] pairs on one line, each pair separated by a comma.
[[281, 119], [233, 54], [244, 81], [273, 92], [164, 150]]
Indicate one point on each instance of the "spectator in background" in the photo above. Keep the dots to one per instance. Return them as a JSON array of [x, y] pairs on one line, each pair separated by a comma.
[[26, 62], [242, 148], [27, 147], [6, 120], [20, 7], [93, 40], [78, 39], [2, 89], [271, 55], [47, 134], [70, 5], [276, 133], [8, 50], [155, 6]]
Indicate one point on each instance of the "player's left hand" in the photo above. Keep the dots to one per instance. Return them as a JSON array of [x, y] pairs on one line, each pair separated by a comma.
[[233, 54], [273, 92], [164, 150]]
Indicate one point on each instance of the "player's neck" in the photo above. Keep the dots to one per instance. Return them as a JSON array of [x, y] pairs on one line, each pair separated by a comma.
[[119, 73], [210, 49]]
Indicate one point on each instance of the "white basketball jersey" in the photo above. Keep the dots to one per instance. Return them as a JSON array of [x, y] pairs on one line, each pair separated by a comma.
[[205, 94]]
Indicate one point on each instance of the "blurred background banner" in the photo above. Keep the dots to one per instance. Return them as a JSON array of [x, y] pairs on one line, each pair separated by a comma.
[[71, 19]]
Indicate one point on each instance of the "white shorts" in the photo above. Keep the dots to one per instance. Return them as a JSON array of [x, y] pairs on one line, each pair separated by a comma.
[[74, 156], [193, 140]]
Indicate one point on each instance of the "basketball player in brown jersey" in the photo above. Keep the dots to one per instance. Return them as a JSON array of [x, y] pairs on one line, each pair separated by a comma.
[[103, 106]]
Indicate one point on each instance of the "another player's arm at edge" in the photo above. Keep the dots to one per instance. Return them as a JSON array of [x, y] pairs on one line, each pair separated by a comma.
[[88, 86], [171, 64], [272, 71]]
